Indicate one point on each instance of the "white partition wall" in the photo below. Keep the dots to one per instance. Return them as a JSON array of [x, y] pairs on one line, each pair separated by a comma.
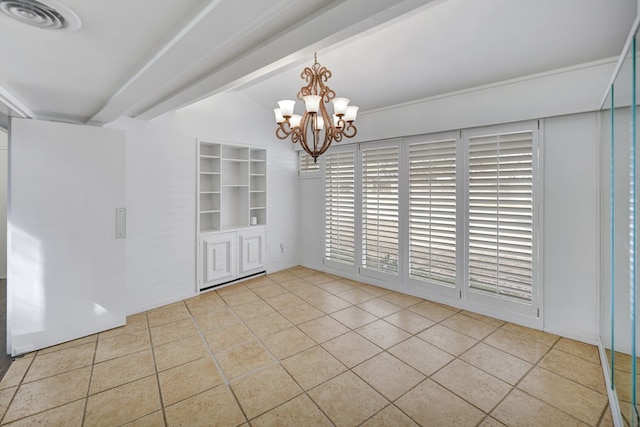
[[66, 275], [4, 153]]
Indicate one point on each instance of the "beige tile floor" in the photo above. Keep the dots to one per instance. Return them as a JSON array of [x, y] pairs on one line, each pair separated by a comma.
[[303, 348]]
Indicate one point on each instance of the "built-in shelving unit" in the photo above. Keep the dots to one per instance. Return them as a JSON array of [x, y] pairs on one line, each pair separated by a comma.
[[257, 186], [209, 187], [232, 187], [232, 211]]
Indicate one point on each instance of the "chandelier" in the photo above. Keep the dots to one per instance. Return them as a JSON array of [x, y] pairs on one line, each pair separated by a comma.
[[315, 130]]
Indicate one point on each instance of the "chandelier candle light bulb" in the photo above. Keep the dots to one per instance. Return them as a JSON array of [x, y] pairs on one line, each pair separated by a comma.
[[279, 116], [316, 129], [312, 103], [295, 120], [340, 106], [350, 115], [286, 107]]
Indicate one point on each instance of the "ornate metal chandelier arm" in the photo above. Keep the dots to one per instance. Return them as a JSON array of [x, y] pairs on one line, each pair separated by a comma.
[[300, 135], [350, 130], [282, 132], [325, 145], [296, 135], [316, 78]]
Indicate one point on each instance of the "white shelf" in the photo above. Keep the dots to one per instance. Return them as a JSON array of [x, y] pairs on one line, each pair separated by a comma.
[[231, 186], [230, 227]]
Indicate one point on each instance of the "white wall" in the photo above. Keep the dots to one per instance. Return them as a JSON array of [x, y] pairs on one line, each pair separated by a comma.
[[571, 250], [4, 145], [161, 194], [310, 232], [567, 91]]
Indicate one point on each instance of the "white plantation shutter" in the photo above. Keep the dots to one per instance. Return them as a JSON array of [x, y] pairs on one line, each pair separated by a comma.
[[501, 214], [306, 166], [432, 212], [380, 209], [339, 185]]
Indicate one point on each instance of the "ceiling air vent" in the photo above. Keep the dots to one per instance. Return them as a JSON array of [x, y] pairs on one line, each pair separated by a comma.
[[48, 15]]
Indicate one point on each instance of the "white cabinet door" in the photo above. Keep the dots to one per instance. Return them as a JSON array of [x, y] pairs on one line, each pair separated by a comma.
[[219, 258], [252, 251], [66, 272]]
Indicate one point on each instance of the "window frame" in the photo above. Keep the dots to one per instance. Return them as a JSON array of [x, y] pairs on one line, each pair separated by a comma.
[[506, 305], [396, 144], [431, 286], [336, 265]]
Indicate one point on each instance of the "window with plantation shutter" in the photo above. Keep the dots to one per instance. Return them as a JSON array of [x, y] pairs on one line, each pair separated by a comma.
[[306, 166], [339, 186], [432, 212], [500, 216], [380, 208]]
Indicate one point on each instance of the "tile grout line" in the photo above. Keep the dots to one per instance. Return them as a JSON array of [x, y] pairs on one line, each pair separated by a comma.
[[515, 386], [93, 364], [225, 380], [350, 369], [157, 373], [279, 362], [317, 344], [18, 389], [276, 362]]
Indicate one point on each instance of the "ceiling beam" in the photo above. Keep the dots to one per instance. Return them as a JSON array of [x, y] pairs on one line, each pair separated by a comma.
[[14, 106], [333, 24]]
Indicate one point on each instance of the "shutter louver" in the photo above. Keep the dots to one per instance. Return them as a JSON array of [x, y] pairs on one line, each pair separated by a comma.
[[339, 207], [501, 214], [306, 165], [432, 212], [380, 209]]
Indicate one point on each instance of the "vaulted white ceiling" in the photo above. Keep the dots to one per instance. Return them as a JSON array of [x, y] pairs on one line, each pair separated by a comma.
[[143, 58]]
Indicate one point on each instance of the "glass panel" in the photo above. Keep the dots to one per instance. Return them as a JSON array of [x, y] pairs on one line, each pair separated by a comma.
[[619, 239]]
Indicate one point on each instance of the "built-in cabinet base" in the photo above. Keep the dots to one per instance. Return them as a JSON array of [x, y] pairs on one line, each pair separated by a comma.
[[229, 256]]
